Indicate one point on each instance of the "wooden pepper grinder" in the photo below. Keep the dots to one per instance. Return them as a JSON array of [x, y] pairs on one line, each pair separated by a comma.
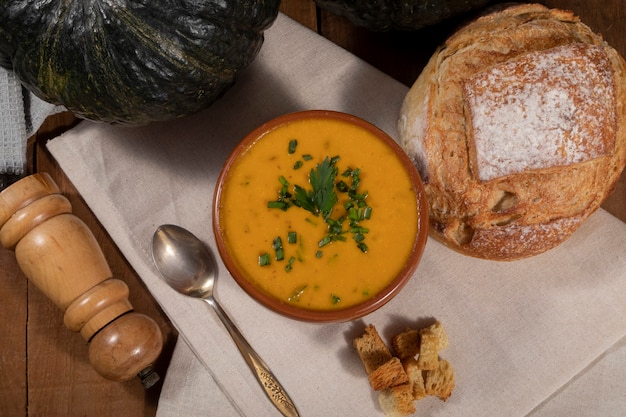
[[59, 254]]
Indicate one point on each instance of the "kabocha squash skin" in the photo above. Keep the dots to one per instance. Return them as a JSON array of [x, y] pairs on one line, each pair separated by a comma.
[[131, 62], [406, 15]]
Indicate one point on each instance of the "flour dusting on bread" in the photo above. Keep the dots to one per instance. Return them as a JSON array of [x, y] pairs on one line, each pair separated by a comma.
[[546, 109]]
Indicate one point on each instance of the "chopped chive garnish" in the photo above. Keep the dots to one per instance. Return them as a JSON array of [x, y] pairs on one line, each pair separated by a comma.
[[278, 248], [293, 144], [335, 299], [319, 254], [295, 296], [278, 204], [289, 265], [320, 199], [325, 241], [264, 259], [342, 187]]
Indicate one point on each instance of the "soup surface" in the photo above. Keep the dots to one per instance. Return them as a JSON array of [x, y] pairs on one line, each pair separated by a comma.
[[289, 243]]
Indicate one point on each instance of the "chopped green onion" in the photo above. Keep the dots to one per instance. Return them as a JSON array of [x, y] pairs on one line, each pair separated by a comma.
[[307, 157], [295, 296], [278, 248], [362, 246], [289, 265], [292, 237], [335, 299], [278, 204], [298, 165], [319, 254], [264, 259], [342, 187], [293, 143], [325, 241]]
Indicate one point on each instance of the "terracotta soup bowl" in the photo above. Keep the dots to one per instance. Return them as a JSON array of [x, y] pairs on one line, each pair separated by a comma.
[[320, 216]]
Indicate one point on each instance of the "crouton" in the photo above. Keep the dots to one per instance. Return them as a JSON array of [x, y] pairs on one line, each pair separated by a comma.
[[389, 374], [406, 344], [439, 382], [397, 401], [371, 349], [416, 378], [429, 353]]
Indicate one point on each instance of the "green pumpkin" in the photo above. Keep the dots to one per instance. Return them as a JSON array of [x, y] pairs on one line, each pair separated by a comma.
[[407, 15], [131, 61]]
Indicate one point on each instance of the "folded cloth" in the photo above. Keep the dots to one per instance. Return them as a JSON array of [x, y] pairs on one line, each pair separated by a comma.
[[518, 331], [21, 114], [598, 391], [189, 390]]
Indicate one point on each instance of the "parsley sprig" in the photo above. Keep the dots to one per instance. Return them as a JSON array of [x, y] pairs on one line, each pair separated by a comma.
[[321, 198]]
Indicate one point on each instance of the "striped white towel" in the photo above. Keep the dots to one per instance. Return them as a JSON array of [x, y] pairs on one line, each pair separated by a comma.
[[21, 114]]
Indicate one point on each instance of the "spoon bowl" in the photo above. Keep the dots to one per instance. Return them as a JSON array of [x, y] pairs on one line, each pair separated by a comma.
[[184, 262], [188, 266]]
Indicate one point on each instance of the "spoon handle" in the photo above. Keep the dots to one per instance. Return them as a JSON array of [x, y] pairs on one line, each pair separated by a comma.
[[274, 391]]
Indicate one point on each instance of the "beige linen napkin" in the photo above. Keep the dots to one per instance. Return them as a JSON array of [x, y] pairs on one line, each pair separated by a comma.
[[519, 331]]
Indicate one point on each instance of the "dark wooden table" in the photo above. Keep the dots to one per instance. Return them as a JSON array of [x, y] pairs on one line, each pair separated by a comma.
[[44, 368]]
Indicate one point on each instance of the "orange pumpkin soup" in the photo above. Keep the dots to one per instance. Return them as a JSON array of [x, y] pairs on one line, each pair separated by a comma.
[[318, 213]]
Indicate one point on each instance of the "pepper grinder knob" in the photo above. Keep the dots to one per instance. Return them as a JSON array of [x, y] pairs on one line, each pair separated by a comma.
[[58, 253]]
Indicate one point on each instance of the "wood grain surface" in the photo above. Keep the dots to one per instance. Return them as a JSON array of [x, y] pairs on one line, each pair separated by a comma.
[[44, 368]]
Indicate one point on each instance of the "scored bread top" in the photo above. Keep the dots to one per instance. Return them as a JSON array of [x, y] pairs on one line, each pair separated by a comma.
[[544, 109], [518, 128]]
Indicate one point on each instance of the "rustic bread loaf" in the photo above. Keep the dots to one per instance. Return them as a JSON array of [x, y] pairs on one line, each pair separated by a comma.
[[517, 126]]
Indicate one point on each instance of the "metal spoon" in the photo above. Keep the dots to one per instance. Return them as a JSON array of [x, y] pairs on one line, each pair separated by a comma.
[[188, 266]]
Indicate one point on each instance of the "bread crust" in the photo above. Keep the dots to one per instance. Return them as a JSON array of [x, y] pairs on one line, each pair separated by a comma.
[[518, 193]]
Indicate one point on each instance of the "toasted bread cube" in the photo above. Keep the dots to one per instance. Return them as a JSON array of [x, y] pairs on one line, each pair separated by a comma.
[[397, 401], [406, 344], [371, 349], [390, 374], [440, 331], [416, 378], [429, 353], [439, 382]]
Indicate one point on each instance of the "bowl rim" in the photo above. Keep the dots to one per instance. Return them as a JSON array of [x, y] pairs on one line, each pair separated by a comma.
[[324, 316]]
